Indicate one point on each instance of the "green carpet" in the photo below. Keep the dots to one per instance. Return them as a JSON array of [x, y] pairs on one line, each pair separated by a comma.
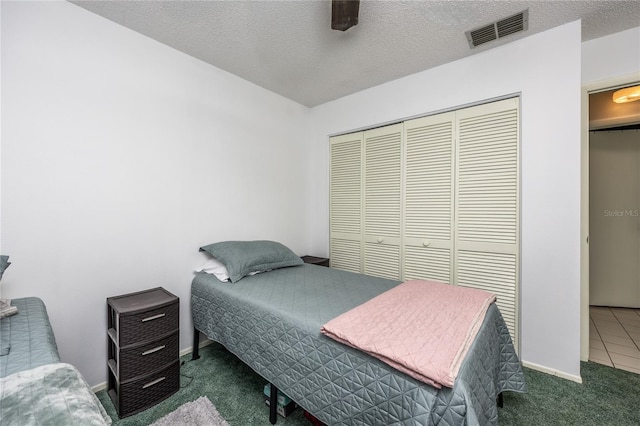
[[606, 396]]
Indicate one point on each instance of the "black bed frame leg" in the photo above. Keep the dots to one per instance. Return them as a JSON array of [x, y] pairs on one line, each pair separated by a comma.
[[273, 404], [500, 400], [195, 354]]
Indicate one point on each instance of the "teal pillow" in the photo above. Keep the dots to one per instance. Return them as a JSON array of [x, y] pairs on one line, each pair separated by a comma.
[[244, 257], [4, 264]]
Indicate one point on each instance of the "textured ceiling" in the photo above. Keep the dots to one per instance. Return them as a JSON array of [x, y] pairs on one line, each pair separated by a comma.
[[289, 48]]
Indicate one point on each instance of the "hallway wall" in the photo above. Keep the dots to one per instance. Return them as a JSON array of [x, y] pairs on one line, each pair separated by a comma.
[[614, 218]]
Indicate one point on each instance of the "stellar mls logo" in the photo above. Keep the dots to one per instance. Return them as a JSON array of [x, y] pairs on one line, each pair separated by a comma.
[[622, 213]]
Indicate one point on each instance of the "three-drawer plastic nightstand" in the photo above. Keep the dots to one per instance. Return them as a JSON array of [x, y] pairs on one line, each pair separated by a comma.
[[143, 349]]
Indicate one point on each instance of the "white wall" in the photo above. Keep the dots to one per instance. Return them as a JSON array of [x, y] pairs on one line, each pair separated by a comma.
[[0, 136], [120, 157], [617, 55], [543, 68]]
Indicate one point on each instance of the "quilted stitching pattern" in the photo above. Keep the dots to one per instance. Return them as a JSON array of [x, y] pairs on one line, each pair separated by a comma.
[[30, 337], [272, 322]]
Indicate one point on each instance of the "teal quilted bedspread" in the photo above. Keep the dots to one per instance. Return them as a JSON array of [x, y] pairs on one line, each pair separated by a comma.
[[26, 338]]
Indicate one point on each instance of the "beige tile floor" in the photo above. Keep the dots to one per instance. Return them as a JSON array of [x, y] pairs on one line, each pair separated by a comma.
[[614, 337]]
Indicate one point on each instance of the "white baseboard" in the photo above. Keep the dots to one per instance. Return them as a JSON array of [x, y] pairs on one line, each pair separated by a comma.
[[203, 342], [100, 386], [552, 371]]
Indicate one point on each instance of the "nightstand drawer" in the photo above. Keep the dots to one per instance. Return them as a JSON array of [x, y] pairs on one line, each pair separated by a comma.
[[146, 326], [137, 395], [138, 360]]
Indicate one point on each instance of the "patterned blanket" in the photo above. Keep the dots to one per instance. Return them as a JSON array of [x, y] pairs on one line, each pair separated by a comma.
[[52, 394]]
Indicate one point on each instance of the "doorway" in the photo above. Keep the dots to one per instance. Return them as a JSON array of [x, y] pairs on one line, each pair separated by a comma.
[[614, 232]]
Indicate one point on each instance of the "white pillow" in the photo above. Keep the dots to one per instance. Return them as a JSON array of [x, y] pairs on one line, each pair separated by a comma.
[[215, 267]]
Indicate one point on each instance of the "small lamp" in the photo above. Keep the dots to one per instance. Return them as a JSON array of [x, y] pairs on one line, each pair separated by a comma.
[[628, 94]]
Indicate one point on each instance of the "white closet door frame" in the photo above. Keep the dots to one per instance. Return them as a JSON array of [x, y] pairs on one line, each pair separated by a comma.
[[484, 243]]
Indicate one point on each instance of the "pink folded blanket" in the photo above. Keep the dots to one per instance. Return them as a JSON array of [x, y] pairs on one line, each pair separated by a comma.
[[422, 328]]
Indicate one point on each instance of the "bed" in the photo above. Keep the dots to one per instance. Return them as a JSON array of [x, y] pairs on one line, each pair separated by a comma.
[[35, 387], [272, 321]]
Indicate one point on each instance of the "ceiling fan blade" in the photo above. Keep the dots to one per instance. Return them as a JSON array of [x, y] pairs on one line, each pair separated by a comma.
[[344, 14]]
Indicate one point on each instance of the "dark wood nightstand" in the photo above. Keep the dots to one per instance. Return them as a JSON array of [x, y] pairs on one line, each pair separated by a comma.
[[321, 261], [143, 349]]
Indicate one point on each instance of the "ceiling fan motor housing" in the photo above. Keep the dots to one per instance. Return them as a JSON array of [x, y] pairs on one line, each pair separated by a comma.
[[344, 14]]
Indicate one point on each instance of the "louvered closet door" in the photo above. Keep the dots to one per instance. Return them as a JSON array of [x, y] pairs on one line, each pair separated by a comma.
[[487, 190], [428, 212], [382, 201], [346, 202]]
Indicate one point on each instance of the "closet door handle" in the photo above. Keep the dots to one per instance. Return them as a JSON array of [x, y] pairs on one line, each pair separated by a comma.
[[426, 243], [380, 240]]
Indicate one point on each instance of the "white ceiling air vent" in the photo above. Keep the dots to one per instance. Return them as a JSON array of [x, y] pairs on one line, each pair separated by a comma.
[[496, 30]]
